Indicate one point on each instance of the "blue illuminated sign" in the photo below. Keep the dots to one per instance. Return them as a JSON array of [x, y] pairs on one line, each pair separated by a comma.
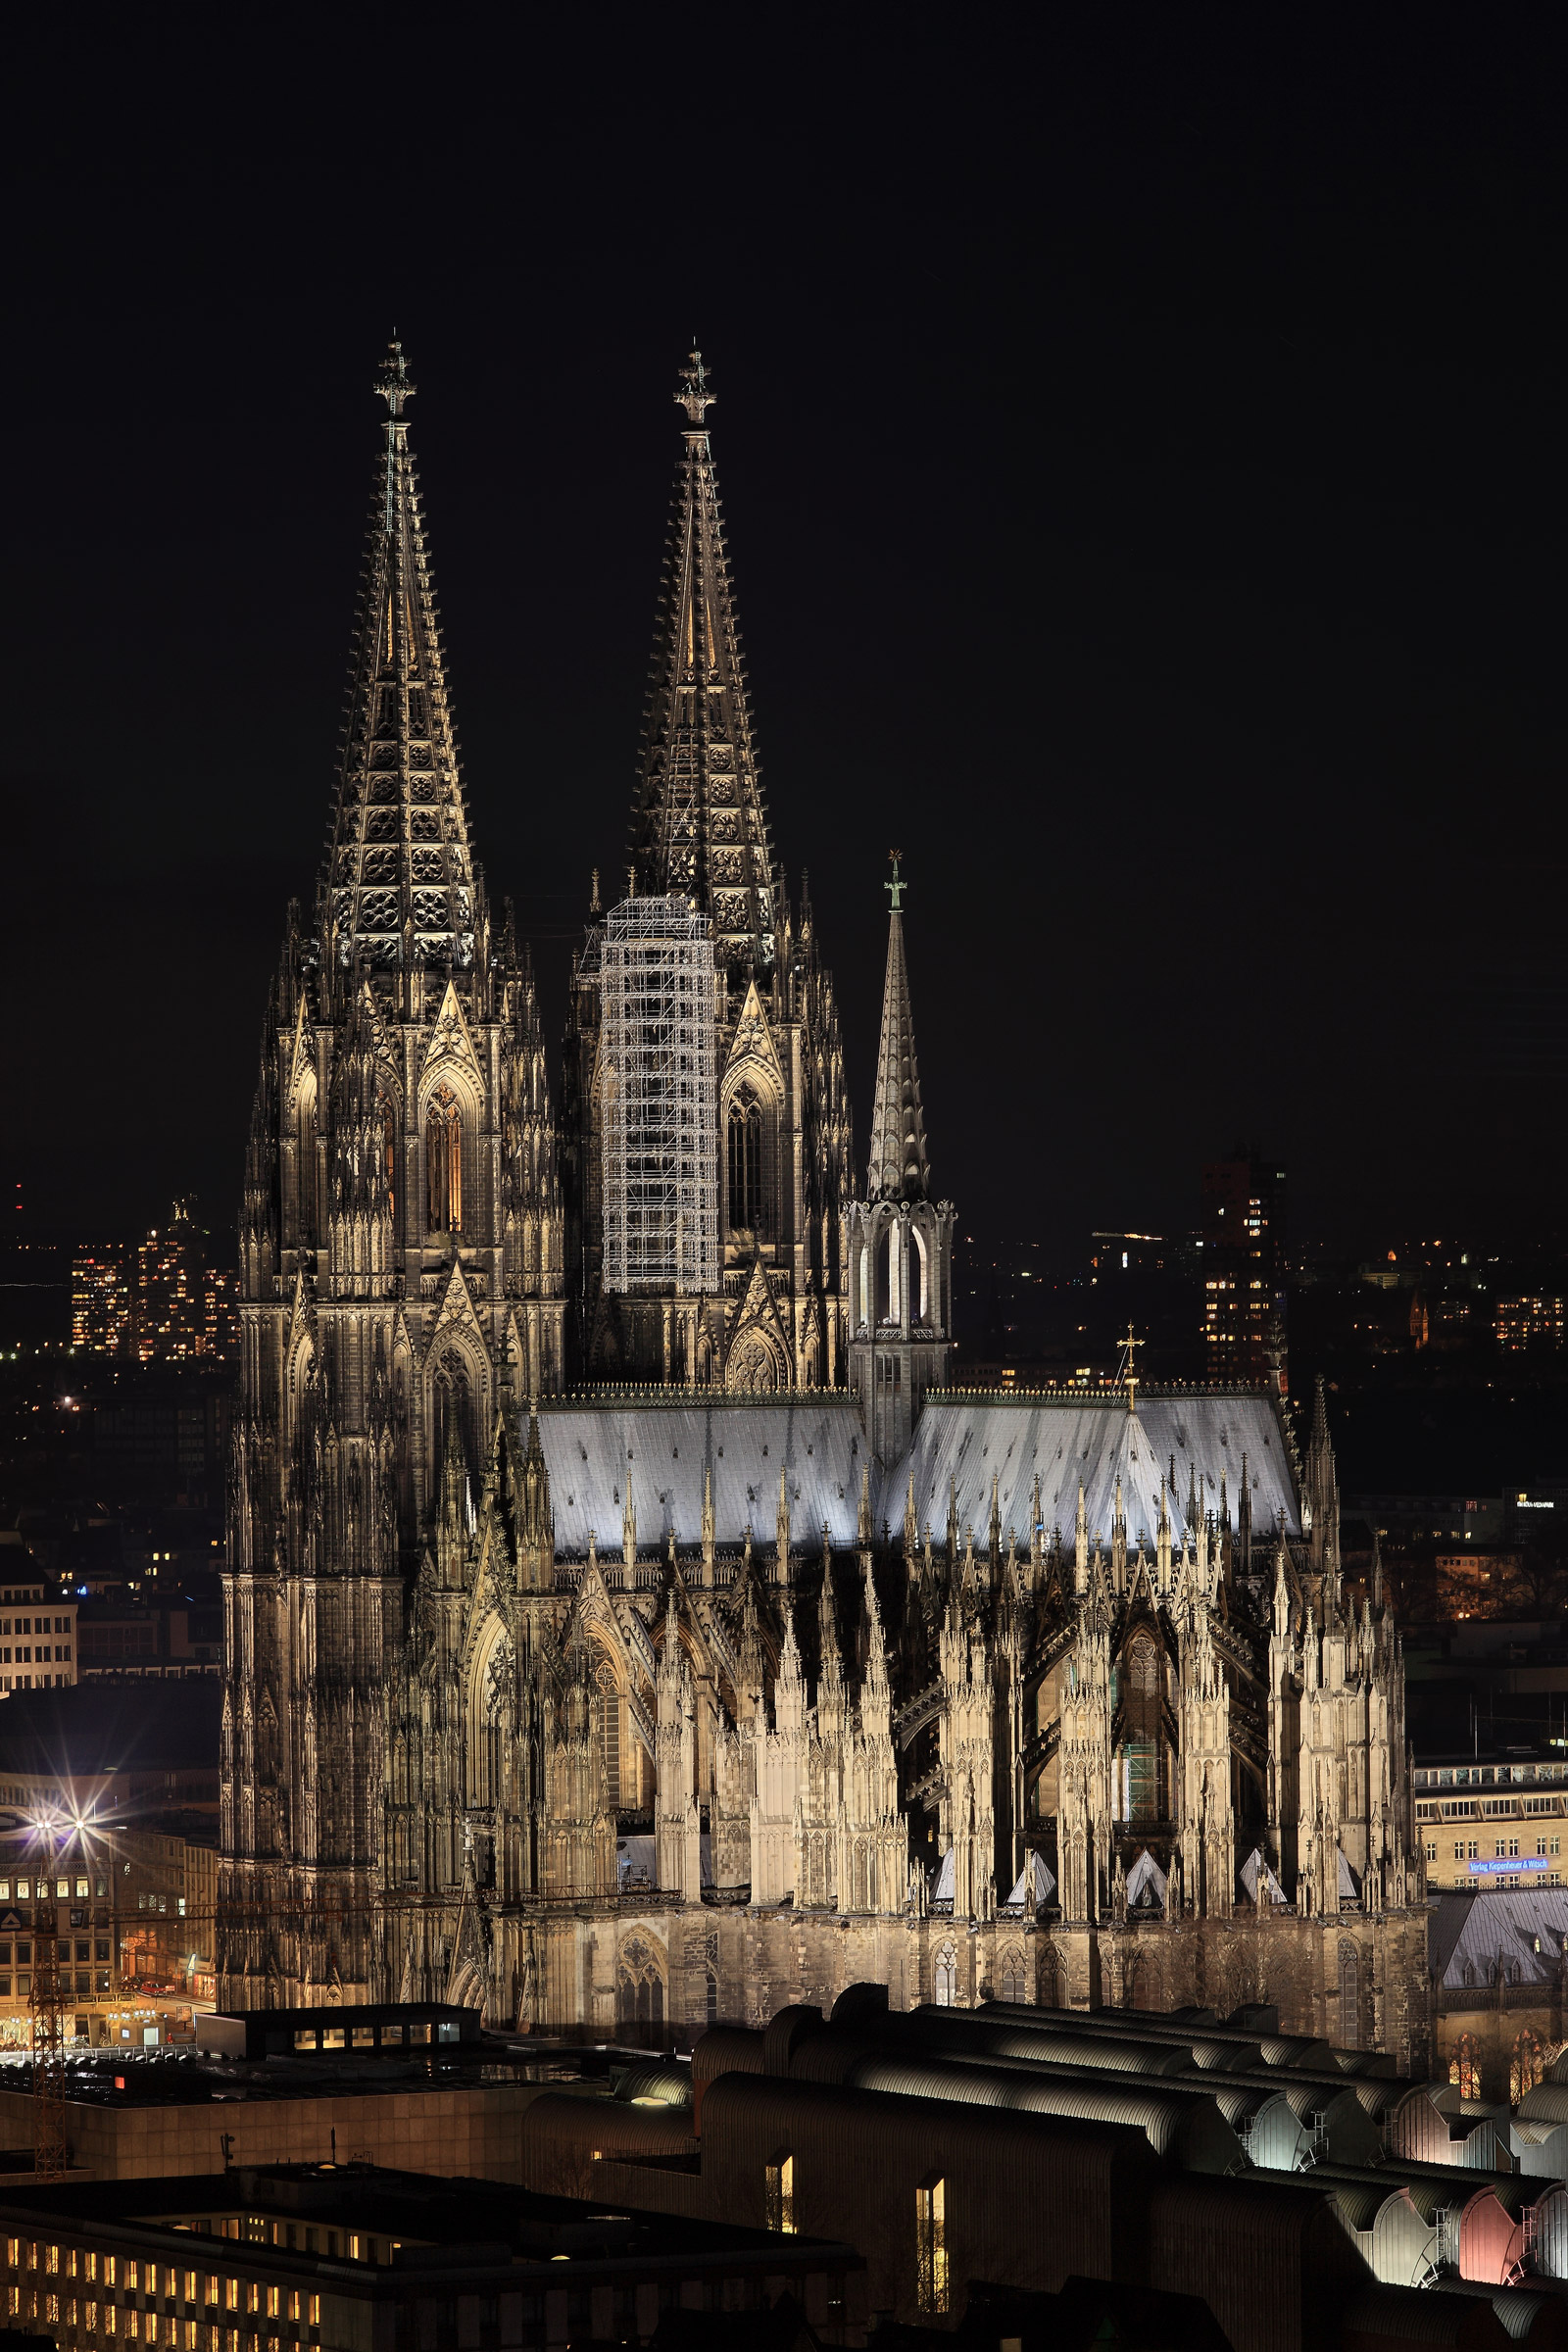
[[1491, 1869]]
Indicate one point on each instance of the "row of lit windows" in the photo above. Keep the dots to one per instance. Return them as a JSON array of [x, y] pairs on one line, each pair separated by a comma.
[[130, 2275], [63, 1887], [129, 2322], [1506, 1849]]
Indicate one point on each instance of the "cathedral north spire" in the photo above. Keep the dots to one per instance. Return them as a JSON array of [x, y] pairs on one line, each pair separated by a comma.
[[898, 1167], [399, 888], [699, 827]]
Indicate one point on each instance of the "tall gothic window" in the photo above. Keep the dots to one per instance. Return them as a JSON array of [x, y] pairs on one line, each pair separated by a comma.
[[1143, 1732], [443, 1160], [1349, 1998], [744, 1165], [1464, 2067], [389, 1150], [606, 1723], [1526, 2068], [306, 1163]]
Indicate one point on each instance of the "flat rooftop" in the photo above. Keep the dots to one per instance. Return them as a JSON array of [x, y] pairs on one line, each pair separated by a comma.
[[176, 2077], [364, 2229]]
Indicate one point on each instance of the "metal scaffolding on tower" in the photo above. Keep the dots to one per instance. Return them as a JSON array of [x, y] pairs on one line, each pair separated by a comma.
[[659, 1064]]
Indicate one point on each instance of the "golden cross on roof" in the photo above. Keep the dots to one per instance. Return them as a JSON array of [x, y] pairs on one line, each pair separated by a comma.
[[1130, 1342]]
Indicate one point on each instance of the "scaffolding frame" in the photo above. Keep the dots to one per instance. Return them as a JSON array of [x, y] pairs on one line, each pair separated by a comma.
[[659, 1032]]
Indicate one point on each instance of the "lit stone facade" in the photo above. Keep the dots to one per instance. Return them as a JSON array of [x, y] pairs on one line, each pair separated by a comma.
[[792, 1667]]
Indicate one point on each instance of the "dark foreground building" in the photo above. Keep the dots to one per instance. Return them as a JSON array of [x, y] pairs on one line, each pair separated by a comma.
[[355, 2259], [1303, 2196]]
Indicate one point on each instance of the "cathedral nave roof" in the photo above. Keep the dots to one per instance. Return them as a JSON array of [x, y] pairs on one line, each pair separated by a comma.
[[1094, 1442]]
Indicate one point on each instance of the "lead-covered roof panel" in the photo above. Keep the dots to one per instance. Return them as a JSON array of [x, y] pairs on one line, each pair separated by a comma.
[[592, 1452], [1095, 1442]]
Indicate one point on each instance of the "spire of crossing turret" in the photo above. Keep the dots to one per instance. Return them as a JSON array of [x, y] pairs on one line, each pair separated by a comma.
[[699, 827], [398, 887], [898, 1167]]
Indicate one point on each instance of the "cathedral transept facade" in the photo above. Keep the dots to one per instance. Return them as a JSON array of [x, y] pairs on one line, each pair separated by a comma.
[[626, 1619]]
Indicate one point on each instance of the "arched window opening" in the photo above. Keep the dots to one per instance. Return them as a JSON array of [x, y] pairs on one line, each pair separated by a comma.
[[1143, 1735], [1526, 2068], [443, 1158], [640, 1987], [744, 1165], [1350, 1998], [1014, 1975], [305, 1163], [945, 1978], [1464, 2067], [923, 1314], [607, 1728], [891, 1311], [866, 1283], [389, 1157]]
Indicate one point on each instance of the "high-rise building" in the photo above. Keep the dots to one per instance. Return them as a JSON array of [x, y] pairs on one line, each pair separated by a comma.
[[173, 1322], [1244, 1268], [103, 1297], [782, 1667]]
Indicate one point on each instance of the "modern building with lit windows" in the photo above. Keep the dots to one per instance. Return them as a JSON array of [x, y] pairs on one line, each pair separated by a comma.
[[1491, 1824], [290, 2257]]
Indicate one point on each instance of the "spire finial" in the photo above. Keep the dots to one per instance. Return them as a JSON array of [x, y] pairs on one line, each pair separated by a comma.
[[898, 1168], [392, 379], [695, 399], [1131, 1373]]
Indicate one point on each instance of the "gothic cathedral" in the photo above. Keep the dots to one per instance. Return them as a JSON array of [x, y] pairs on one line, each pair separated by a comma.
[[627, 1619]]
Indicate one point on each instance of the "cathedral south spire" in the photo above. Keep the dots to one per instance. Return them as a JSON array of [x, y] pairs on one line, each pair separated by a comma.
[[704, 1223], [699, 827], [899, 1168], [400, 884]]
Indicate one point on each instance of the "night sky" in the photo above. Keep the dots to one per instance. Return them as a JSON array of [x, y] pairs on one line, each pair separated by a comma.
[[1142, 457]]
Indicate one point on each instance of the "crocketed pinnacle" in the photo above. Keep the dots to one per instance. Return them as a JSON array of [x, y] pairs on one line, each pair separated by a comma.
[[400, 886], [899, 1168], [699, 829]]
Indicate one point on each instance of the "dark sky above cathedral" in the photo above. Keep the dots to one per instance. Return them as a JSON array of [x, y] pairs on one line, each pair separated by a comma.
[[1143, 455]]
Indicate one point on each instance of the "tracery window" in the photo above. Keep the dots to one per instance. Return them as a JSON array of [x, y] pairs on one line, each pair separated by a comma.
[[305, 1163], [945, 1978], [443, 1160], [1526, 2068], [1349, 1998], [389, 1148], [640, 1984], [1014, 1975], [607, 1726], [1464, 2067], [744, 1164], [1143, 1735]]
